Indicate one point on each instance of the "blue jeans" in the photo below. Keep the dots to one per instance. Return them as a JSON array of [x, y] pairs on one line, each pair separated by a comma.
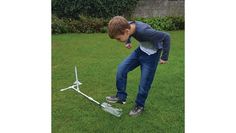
[[148, 65]]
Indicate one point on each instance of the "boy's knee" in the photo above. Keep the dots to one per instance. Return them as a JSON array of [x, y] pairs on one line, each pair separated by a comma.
[[121, 70]]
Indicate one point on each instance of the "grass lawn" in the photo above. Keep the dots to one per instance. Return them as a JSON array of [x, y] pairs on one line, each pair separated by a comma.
[[97, 57]]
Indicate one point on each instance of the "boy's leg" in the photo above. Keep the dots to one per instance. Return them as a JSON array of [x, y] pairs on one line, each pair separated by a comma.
[[127, 65], [148, 68]]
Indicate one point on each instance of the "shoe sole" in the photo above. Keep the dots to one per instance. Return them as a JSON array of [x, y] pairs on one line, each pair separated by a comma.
[[115, 101], [111, 101], [136, 114]]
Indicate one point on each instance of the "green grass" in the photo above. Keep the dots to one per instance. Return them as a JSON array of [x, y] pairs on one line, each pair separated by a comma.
[[97, 58]]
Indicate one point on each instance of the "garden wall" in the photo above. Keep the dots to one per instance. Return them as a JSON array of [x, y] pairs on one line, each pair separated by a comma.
[[154, 8]]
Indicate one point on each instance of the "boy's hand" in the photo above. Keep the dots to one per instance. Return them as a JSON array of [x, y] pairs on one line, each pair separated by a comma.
[[128, 46], [162, 61]]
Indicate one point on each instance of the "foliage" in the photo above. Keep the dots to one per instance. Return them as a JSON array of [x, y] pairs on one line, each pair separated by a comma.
[[164, 23], [94, 8], [58, 25], [93, 25], [83, 25]]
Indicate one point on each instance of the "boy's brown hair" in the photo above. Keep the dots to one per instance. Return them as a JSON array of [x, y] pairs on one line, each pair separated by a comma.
[[117, 26]]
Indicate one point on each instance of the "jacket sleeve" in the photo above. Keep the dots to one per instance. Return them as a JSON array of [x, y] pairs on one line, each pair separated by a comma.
[[158, 38], [129, 40], [166, 47]]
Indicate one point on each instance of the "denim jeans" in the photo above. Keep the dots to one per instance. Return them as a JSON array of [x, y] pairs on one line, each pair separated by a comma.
[[148, 65]]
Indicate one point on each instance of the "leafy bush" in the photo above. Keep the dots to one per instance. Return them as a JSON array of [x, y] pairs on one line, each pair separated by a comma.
[[92, 25], [59, 25], [104, 29], [164, 23], [83, 25], [94, 8]]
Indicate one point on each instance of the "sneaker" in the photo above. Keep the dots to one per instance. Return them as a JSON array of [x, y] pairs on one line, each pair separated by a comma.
[[136, 111], [114, 99]]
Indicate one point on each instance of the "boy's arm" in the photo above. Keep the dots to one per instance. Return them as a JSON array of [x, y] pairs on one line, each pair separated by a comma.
[[158, 37], [166, 47]]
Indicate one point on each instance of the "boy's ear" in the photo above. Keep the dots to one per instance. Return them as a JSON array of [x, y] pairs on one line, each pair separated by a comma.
[[127, 31]]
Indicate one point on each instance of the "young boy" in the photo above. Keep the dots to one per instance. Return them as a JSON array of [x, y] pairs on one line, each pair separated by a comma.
[[151, 44]]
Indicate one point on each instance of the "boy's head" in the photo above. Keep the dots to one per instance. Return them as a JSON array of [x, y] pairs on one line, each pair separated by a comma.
[[119, 28]]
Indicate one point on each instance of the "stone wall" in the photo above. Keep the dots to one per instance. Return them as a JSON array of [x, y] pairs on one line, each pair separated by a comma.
[[153, 8]]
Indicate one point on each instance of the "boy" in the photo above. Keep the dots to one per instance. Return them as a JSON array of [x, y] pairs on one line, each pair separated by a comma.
[[151, 44]]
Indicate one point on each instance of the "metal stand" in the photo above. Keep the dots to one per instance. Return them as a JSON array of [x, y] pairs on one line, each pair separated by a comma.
[[105, 106]]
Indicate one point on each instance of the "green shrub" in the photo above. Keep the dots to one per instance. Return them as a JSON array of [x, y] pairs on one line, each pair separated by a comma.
[[83, 25], [90, 25], [93, 25], [104, 29], [164, 23], [58, 25], [179, 22], [94, 8]]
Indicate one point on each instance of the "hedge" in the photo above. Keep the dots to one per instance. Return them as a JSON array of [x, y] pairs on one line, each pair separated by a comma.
[[167, 23], [92, 25], [95, 8]]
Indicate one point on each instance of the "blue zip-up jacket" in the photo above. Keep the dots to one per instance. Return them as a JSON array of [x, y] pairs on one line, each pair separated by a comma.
[[144, 32]]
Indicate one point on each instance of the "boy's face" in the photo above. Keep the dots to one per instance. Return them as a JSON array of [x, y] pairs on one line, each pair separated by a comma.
[[124, 37]]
